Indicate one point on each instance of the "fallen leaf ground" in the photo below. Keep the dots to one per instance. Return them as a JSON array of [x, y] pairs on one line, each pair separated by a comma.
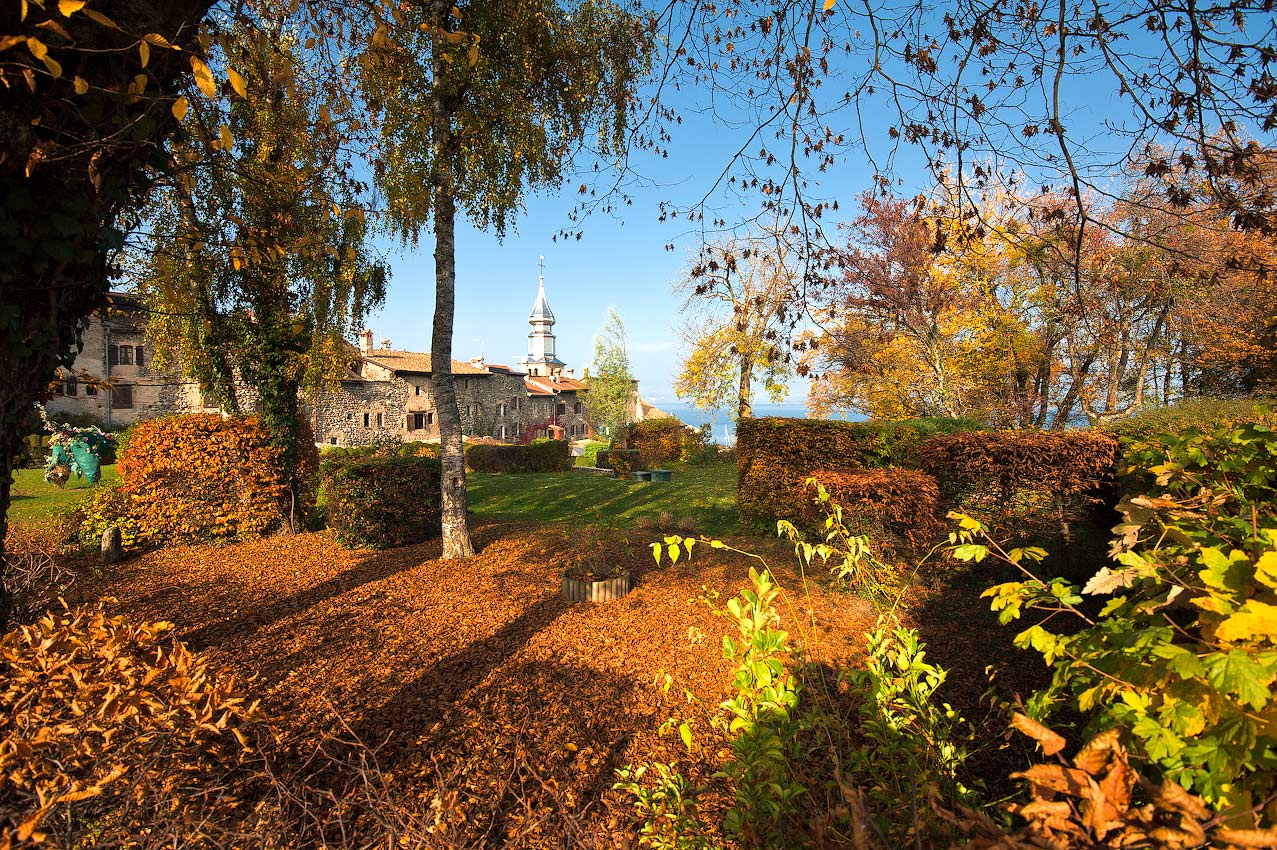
[[478, 670]]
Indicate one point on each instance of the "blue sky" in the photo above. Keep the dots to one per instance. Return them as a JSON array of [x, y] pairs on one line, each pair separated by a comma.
[[622, 262]]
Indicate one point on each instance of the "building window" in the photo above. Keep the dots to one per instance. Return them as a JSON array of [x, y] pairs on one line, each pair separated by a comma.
[[122, 397], [501, 433], [560, 409], [90, 389], [380, 421], [367, 419], [416, 389], [430, 418], [518, 404], [121, 355], [576, 408], [420, 420], [332, 441], [137, 359], [467, 410], [70, 386]]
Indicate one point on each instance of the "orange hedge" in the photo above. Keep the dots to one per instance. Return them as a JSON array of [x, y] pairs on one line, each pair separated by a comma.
[[775, 456], [1031, 473], [190, 478], [903, 504], [662, 441]]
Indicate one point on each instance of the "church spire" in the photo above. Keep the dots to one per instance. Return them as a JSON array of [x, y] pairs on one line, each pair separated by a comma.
[[541, 309], [541, 359]]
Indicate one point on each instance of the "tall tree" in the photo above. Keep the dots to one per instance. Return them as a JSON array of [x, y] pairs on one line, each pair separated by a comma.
[[253, 255], [612, 394], [82, 119], [483, 102], [739, 294]]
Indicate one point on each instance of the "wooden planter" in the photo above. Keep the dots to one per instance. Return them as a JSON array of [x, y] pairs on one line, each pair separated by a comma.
[[595, 590]]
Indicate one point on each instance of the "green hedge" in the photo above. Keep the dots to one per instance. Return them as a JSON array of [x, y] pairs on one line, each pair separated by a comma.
[[335, 454], [775, 455], [590, 457], [382, 502], [1204, 413], [540, 456]]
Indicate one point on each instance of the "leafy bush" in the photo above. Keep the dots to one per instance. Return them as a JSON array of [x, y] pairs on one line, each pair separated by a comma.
[[775, 455], [895, 507], [590, 456], [190, 478], [623, 461], [547, 456], [1184, 654], [382, 502], [335, 454], [109, 730], [663, 441], [1204, 413]]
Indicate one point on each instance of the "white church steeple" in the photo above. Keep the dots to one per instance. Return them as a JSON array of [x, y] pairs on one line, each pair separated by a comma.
[[541, 359]]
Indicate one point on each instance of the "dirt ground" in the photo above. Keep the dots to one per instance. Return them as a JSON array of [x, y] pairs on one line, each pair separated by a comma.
[[478, 672]]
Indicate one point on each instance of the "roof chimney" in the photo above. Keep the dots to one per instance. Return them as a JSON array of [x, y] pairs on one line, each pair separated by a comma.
[[571, 373], [365, 341], [385, 344], [477, 362]]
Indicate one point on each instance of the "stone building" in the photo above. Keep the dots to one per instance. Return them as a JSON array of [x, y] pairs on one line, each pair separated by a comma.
[[113, 380], [386, 392]]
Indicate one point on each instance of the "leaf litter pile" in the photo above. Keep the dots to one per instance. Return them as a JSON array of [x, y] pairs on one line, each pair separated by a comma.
[[473, 680]]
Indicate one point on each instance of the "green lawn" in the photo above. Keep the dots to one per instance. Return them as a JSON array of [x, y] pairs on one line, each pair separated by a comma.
[[707, 494], [35, 499]]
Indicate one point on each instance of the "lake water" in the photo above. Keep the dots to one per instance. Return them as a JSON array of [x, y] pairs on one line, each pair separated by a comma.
[[721, 422]]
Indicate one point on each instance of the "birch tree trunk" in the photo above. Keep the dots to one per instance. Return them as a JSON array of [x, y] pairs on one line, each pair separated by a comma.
[[456, 530]]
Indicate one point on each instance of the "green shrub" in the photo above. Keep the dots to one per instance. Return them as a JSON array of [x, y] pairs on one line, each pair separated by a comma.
[[539, 456], [775, 455], [590, 456], [1183, 656], [330, 454], [1204, 413], [382, 502]]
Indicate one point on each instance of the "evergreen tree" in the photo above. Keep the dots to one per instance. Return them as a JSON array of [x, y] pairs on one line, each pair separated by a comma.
[[612, 393]]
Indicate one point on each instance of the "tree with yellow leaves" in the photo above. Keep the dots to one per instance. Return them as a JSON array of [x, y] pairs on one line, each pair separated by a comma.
[[738, 301]]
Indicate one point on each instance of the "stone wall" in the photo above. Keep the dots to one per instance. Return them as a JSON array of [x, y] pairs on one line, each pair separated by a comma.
[[136, 392]]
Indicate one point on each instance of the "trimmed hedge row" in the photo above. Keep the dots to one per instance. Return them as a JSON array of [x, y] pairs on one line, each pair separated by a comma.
[[895, 507], [1002, 463], [775, 456], [336, 454], [547, 456], [382, 502], [190, 478]]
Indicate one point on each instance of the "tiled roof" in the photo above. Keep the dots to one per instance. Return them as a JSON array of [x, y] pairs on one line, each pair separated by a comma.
[[418, 362], [542, 385], [497, 367]]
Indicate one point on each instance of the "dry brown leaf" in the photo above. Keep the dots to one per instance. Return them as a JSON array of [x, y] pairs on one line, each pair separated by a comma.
[[1051, 741], [1057, 777], [1248, 837]]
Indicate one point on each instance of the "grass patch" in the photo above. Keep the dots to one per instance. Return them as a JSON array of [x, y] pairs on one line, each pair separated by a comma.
[[33, 499], [707, 494]]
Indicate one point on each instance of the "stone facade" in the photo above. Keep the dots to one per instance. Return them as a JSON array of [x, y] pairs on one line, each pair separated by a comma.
[[112, 379], [386, 393]]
